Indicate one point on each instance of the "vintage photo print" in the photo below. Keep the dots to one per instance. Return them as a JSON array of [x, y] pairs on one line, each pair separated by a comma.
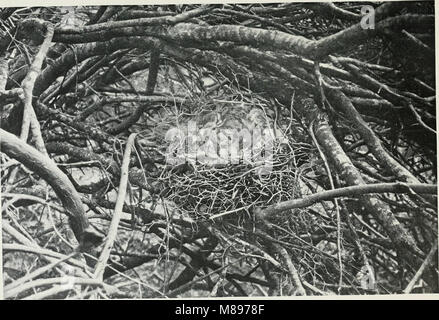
[[218, 150]]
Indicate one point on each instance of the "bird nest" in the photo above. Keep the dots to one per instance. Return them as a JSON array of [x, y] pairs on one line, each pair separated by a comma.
[[225, 158]]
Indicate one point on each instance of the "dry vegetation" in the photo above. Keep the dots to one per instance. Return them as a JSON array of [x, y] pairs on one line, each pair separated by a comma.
[[92, 209]]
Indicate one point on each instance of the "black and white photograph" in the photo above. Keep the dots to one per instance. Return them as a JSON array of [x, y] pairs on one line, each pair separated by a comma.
[[218, 150]]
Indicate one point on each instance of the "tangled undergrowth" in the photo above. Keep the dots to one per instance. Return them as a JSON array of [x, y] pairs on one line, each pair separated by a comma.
[[103, 99]]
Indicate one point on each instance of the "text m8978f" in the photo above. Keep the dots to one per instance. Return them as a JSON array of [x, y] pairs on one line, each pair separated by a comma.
[[231, 309]]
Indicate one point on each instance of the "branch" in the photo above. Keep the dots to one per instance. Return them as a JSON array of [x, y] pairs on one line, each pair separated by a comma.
[[29, 117], [4, 69], [36, 273], [341, 102], [139, 99], [151, 83], [47, 169], [356, 34], [136, 176], [421, 270], [49, 255], [316, 49], [345, 192], [71, 57], [134, 22], [331, 10], [294, 274], [50, 281], [112, 232]]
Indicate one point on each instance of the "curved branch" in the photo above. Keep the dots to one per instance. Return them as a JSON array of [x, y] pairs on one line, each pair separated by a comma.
[[135, 22], [317, 49], [47, 169], [30, 121], [347, 192]]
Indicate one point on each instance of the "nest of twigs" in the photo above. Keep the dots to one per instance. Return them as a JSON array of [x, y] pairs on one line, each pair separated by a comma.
[[233, 190], [228, 190]]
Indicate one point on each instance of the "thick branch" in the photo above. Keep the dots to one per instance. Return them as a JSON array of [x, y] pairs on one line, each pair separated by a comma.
[[135, 22], [47, 169]]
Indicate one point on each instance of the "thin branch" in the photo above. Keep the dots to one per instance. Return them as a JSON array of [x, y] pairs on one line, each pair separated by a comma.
[[419, 119], [331, 182], [294, 274], [396, 187], [49, 281], [29, 117], [421, 269], [37, 272], [112, 232], [151, 83]]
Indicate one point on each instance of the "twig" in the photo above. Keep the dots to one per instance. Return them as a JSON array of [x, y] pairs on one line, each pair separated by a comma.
[[37, 272], [291, 269], [49, 255], [105, 254], [47, 293], [371, 275], [396, 187], [419, 119], [29, 117], [45, 282], [331, 181], [228, 212], [421, 270], [181, 289]]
